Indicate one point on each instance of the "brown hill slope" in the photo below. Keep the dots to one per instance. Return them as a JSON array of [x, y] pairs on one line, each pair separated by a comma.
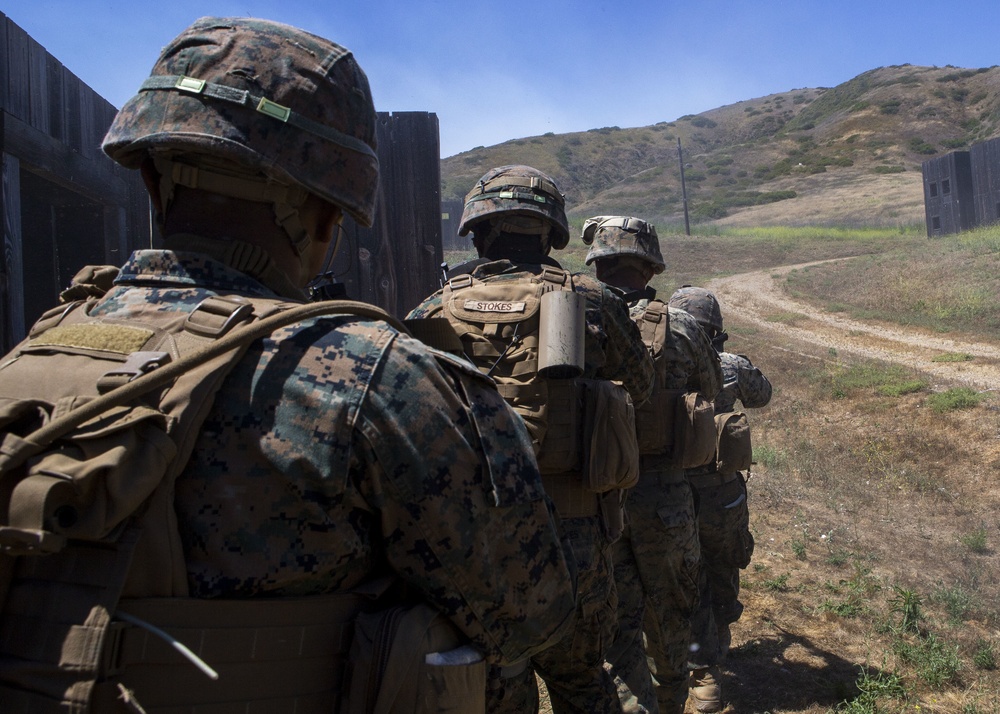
[[848, 155]]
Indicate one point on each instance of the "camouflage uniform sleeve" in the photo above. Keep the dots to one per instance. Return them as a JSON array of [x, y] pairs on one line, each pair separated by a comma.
[[627, 359], [464, 518], [753, 388], [706, 376]]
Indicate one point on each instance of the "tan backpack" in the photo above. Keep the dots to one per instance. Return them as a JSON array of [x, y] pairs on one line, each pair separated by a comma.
[[98, 418], [576, 425]]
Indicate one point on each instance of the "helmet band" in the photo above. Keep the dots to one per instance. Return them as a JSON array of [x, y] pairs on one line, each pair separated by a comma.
[[263, 105]]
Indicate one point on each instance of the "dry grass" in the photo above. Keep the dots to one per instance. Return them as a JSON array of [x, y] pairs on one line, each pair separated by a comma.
[[862, 493]]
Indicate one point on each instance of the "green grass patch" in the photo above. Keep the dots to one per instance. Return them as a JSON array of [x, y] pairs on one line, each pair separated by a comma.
[[898, 389], [954, 399], [937, 663], [956, 601], [777, 584], [975, 541], [841, 381], [769, 456], [873, 686], [985, 656], [952, 357]]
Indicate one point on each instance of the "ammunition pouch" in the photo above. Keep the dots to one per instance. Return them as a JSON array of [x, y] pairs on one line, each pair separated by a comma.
[[696, 434], [412, 660], [735, 452]]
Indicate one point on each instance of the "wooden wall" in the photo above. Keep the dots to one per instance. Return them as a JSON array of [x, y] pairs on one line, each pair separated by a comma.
[[396, 263], [985, 158], [64, 203], [948, 204]]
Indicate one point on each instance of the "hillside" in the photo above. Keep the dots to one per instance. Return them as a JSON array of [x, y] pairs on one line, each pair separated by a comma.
[[848, 155]]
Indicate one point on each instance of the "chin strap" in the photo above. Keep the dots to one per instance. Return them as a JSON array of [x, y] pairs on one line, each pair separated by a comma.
[[223, 179]]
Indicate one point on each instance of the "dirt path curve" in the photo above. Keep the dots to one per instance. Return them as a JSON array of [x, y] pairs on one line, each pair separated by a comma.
[[756, 297]]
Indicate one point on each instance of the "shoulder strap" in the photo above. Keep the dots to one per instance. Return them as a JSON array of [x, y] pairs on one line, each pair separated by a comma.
[[38, 440]]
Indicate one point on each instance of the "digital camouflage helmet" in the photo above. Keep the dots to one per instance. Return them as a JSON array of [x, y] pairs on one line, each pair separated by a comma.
[[256, 110], [611, 236], [700, 304], [508, 192]]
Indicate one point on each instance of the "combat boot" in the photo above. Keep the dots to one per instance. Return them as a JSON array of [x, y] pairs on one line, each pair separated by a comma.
[[706, 694]]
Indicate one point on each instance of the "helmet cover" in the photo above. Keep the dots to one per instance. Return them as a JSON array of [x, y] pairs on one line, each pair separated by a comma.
[[517, 191], [269, 97], [611, 236], [700, 303]]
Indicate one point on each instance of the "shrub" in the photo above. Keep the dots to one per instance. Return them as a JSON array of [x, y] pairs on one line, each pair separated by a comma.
[[921, 147]]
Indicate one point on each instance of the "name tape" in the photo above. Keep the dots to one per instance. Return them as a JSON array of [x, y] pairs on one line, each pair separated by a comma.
[[494, 306]]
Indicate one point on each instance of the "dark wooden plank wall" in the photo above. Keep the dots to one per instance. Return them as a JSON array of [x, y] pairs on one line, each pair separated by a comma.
[[82, 206], [986, 181], [948, 203], [52, 125], [396, 263]]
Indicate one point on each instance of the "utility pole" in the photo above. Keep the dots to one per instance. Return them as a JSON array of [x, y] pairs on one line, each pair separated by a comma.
[[684, 193]]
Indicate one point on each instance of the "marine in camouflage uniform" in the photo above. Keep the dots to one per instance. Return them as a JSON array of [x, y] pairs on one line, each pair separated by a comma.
[[657, 558], [516, 215], [723, 515], [339, 451]]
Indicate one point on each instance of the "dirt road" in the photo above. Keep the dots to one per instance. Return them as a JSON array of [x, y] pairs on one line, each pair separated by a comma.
[[756, 298]]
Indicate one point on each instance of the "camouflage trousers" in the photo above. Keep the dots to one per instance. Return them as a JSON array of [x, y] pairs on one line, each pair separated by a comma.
[[656, 571], [572, 668], [726, 548]]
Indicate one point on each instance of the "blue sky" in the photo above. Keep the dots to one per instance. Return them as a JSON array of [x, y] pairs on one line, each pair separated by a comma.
[[494, 71]]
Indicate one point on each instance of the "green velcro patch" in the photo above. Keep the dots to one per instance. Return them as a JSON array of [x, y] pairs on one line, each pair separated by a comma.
[[109, 338]]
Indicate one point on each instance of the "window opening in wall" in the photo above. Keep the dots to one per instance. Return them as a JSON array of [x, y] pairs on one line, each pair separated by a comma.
[[932, 189], [935, 223], [946, 186]]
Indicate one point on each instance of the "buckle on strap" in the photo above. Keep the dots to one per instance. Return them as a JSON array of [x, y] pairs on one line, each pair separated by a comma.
[[459, 282], [136, 365], [555, 276], [215, 316], [653, 314]]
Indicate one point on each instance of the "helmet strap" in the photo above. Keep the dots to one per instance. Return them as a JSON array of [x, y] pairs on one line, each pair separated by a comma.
[[285, 199]]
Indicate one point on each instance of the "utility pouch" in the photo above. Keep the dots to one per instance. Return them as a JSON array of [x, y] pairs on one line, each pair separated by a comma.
[[735, 452], [611, 454], [562, 409], [412, 660], [695, 433], [656, 421]]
